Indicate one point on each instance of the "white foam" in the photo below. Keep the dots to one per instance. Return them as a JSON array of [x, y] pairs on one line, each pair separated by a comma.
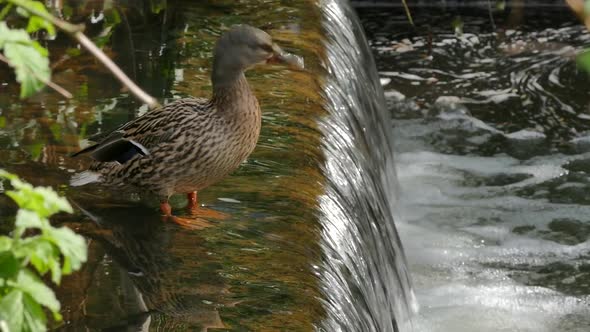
[[459, 238]]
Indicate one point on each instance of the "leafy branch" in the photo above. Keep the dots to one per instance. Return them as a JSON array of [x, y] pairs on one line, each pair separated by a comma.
[[40, 18], [23, 259]]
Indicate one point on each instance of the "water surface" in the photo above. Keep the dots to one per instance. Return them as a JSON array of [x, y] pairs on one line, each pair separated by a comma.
[[491, 125], [250, 271]]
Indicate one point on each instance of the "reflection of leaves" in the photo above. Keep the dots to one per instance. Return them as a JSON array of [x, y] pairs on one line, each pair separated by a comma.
[[158, 5], [112, 18], [67, 11], [72, 51], [457, 25], [35, 150], [56, 130], [2, 121]]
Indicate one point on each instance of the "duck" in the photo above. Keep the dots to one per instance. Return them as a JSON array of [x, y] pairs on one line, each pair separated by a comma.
[[191, 143]]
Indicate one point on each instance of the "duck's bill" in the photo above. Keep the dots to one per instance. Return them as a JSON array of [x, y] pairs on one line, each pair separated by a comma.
[[291, 60]]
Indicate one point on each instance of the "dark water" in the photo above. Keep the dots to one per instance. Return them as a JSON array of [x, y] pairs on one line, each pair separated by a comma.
[[491, 120], [308, 241]]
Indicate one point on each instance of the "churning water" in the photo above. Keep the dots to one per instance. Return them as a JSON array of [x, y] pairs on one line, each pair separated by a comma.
[[492, 157]]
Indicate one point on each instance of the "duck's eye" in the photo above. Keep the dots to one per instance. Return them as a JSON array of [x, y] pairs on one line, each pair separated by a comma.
[[266, 47]]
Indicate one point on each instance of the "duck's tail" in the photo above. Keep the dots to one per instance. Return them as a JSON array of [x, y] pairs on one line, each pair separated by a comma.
[[85, 177]]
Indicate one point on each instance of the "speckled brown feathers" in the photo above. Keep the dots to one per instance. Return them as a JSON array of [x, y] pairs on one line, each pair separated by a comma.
[[192, 143]]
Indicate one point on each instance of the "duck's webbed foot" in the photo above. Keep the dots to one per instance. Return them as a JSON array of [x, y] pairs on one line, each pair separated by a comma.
[[192, 223], [195, 210], [188, 223]]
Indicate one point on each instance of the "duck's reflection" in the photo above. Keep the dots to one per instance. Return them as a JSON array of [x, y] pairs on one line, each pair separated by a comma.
[[151, 274]]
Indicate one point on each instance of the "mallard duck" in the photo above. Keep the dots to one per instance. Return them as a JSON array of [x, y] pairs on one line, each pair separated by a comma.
[[191, 143]]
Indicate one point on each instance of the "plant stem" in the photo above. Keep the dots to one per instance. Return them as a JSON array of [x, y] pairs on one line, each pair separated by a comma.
[[408, 14], [116, 71], [65, 93], [75, 31]]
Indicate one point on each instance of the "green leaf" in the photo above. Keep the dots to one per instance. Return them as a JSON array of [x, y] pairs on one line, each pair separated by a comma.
[[35, 318], [37, 23], [12, 310], [5, 10], [9, 265], [28, 219], [27, 57], [42, 50], [2, 121], [30, 283], [5, 243], [71, 245], [4, 174], [43, 200], [55, 270], [8, 35], [42, 254], [31, 68]]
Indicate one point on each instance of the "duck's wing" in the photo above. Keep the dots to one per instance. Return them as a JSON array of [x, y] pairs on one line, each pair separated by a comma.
[[140, 135], [115, 147]]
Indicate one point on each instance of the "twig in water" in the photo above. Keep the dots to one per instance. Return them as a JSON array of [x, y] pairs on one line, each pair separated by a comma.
[[408, 12], [491, 15]]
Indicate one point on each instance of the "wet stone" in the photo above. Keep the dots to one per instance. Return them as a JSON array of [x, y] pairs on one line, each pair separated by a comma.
[[523, 229], [580, 165], [568, 231]]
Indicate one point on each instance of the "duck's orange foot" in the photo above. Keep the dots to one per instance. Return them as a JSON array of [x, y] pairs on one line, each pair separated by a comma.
[[195, 210], [188, 223], [192, 222], [202, 212]]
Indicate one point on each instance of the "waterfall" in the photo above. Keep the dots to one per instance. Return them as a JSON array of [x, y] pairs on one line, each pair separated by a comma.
[[364, 275]]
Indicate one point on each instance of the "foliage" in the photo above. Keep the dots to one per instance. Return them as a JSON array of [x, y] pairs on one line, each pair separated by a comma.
[[28, 58], [583, 60], [24, 258]]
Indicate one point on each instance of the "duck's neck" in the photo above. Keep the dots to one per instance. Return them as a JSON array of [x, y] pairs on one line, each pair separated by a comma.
[[234, 95]]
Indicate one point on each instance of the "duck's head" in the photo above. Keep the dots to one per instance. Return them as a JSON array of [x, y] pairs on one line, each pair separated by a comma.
[[243, 47]]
